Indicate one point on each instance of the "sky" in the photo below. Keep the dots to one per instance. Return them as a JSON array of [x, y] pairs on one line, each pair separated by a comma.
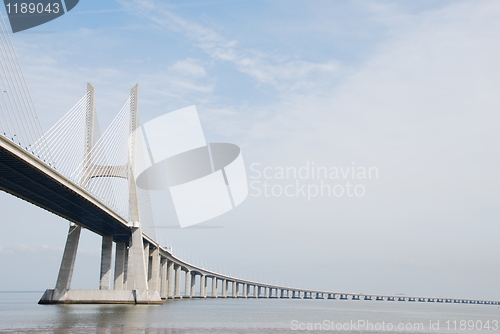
[[408, 89]]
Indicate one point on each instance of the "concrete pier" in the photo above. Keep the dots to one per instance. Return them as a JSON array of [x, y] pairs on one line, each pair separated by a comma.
[[69, 257], [224, 288], [171, 279], [187, 285], [163, 278], [119, 279], [154, 272], [193, 284], [177, 289], [106, 258], [203, 286], [214, 287], [235, 289]]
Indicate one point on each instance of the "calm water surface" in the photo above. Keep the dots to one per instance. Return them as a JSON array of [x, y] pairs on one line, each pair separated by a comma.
[[20, 313]]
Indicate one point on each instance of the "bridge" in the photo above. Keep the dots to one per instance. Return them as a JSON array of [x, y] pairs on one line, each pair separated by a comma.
[[145, 272], [89, 179]]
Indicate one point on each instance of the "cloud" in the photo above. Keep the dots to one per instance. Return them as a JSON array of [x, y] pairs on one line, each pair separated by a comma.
[[282, 72], [189, 67], [186, 82]]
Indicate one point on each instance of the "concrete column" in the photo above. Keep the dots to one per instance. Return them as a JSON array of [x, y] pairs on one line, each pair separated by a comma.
[[163, 278], [177, 290], [224, 288], [193, 284], [137, 274], [267, 292], [121, 248], [256, 291], [153, 282], [146, 259], [214, 287], [187, 284], [171, 279], [68, 260], [245, 292], [106, 258], [203, 286], [235, 290], [125, 269]]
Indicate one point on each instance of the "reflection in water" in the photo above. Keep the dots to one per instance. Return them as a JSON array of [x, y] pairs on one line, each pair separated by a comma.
[[122, 329], [105, 318]]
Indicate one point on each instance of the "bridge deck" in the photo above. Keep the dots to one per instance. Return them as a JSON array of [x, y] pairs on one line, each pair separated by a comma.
[[24, 176]]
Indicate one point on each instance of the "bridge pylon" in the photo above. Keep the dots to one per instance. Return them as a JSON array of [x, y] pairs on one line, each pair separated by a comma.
[[130, 283]]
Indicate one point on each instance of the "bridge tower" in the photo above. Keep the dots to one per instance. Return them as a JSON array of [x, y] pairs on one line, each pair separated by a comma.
[[130, 283]]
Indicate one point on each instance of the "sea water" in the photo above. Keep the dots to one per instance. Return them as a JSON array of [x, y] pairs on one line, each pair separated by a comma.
[[20, 313]]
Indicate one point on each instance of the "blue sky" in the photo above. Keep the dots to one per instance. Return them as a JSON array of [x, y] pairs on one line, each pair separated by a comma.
[[408, 87]]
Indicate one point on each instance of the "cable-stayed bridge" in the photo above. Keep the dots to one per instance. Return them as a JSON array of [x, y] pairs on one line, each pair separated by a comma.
[[88, 178]]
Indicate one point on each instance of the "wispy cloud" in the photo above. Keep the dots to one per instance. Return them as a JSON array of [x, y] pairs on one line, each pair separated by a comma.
[[102, 11], [189, 67], [283, 72]]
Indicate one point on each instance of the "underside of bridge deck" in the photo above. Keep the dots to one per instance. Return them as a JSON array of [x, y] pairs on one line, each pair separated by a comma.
[[42, 189]]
